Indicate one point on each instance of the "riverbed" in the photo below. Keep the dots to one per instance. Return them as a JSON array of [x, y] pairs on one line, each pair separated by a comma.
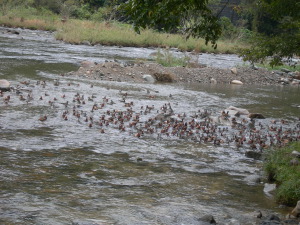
[[69, 168]]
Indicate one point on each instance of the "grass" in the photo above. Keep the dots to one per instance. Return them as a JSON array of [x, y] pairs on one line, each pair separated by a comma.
[[286, 175], [106, 33], [291, 68]]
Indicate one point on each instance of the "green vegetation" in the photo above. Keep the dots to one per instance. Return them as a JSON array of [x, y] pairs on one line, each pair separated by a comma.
[[167, 59], [277, 27], [105, 32], [292, 68], [286, 174], [193, 18]]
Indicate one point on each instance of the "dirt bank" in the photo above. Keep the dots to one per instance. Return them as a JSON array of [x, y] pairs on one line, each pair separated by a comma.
[[122, 72]]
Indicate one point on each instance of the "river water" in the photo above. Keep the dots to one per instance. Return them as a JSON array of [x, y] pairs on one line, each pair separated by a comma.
[[65, 170]]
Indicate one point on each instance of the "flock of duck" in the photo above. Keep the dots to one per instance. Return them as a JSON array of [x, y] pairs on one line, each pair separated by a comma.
[[161, 122]]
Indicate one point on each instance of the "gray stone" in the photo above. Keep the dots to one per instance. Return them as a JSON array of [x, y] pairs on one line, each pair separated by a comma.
[[4, 85], [237, 82], [208, 219], [149, 78], [86, 43], [268, 188], [234, 70], [272, 222], [285, 80], [285, 70], [296, 154], [296, 210], [273, 217]]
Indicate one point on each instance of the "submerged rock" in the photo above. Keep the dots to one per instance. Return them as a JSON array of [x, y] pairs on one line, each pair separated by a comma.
[[209, 219], [256, 116], [268, 188]]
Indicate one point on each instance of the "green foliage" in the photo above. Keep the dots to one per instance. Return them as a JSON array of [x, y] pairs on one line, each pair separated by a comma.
[[286, 175], [82, 12], [279, 67], [232, 32], [278, 25], [168, 15], [167, 59]]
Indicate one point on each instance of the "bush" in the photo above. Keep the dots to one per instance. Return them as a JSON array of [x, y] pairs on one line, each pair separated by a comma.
[[286, 175], [166, 58], [82, 12]]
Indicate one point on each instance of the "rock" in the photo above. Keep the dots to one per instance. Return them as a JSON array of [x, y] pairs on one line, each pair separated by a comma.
[[208, 219], [279, 73], [271, 222], [285, 80], [14, 32], [273, 217], [233, 222], [253, 155], [295, 154], [253, 179], [236, 82], [295, 82], [86, 43], [268, 188], [213, 81], [149, 78], [4, 85], [256, 116], [241, 111], [296, 210], [291, 222], [234, 70], [285, 70]]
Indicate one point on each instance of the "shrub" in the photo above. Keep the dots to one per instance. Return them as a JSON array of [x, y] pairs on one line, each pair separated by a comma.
[[279, 169], [166, 58]]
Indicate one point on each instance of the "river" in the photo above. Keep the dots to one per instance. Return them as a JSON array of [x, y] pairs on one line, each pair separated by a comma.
[[63, 171]]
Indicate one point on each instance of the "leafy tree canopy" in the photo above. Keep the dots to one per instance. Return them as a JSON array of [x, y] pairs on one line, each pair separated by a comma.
[[192, 17], [278, 27]]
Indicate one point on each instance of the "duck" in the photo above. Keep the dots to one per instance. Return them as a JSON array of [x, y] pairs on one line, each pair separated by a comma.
[[43, 118]]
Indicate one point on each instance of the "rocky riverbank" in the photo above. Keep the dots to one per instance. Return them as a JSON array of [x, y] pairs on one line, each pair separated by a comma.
[[153, 72]]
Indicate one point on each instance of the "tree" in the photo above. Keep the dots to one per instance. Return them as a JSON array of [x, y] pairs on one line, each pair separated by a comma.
[[277, 23], [193, 17]]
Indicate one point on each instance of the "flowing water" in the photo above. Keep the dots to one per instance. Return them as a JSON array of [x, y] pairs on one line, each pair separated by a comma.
[[63, 170]]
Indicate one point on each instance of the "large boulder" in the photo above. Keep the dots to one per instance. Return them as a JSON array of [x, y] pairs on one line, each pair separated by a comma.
[[4, 85]]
